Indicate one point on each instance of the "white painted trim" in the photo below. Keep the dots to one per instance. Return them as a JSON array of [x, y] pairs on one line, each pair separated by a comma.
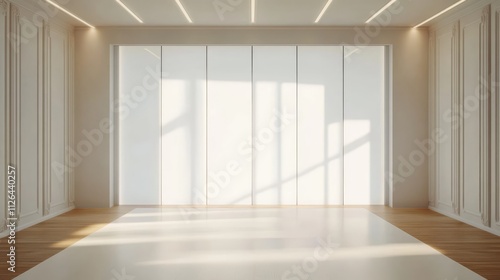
[[389, 128], [4, 13], [456, 166], [71, 116], [14, 70], [485, 73], [495, 117], [46, 125], [114, 172], [432, 118]]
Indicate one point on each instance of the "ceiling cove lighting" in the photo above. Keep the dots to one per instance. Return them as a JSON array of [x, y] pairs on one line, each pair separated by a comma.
[[253, 11], [323, 11], [69, 13], [129, 11], [183, 10], [381, 10], [440, 13]]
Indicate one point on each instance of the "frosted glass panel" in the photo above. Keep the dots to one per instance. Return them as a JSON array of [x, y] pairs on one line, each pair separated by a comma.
[[184, 125], [364, 97], [320, 82], [274, 116], [139, 149], [229, 101]]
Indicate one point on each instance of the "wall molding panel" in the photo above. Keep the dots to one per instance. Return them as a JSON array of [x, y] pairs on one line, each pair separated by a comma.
[[455, 106], [27, 142], [495, 95], [30, 110], [475, 114], [14, 85], [433, 125], [485, 84], [443, 104]]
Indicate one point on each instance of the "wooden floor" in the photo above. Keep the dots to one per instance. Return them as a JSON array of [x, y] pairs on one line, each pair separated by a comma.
[[471, 247]]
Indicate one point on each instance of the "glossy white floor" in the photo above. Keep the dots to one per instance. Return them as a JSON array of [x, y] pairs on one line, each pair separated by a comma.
[[257, 244]]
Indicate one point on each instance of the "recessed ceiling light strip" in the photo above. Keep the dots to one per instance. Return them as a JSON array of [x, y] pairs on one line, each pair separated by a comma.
[[129, 11], [440, 13], [183, 10], [69, 13], [323, 11], [253, 11], [381, 10]]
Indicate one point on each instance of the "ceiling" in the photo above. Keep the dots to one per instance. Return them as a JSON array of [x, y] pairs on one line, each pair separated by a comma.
[[237, 12]]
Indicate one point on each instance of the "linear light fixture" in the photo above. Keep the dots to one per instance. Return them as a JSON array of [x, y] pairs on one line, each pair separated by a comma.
[[440, 13], [129, 11], [69, 13], [381, 10], [253, 11], [183, 10], [324, 10]]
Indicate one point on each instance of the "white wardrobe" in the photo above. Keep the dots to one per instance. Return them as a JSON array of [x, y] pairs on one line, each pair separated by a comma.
[[252, 125]]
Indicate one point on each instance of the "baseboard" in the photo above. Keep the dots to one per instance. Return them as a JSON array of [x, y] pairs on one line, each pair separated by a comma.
[[458, 218], [44, 218]]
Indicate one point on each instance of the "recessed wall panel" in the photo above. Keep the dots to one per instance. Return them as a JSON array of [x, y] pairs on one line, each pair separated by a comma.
[[29, 106], [471, 81], [183, 125], [229, 99], [57, 68], [274, 125], [444, 125], [320, 123]]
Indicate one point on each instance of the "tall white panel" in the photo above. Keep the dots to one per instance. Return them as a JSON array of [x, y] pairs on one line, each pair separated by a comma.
[[229, 101], [320, 135], [184, 125], [364, 99], [274, 125], [139, 136], [57, 91], [471, 81], [444, 125]]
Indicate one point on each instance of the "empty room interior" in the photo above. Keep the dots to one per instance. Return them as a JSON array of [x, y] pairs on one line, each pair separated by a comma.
[[250, 139]]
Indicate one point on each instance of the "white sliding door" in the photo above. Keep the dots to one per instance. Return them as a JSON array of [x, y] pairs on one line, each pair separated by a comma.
[[320, 101], [274, 127], [364, 98], [184, 125], [229, 102], [139, 149], [243, 125]]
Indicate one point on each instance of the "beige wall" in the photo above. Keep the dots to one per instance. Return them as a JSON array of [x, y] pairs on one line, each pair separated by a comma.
[[459, 183], [410, 74]]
